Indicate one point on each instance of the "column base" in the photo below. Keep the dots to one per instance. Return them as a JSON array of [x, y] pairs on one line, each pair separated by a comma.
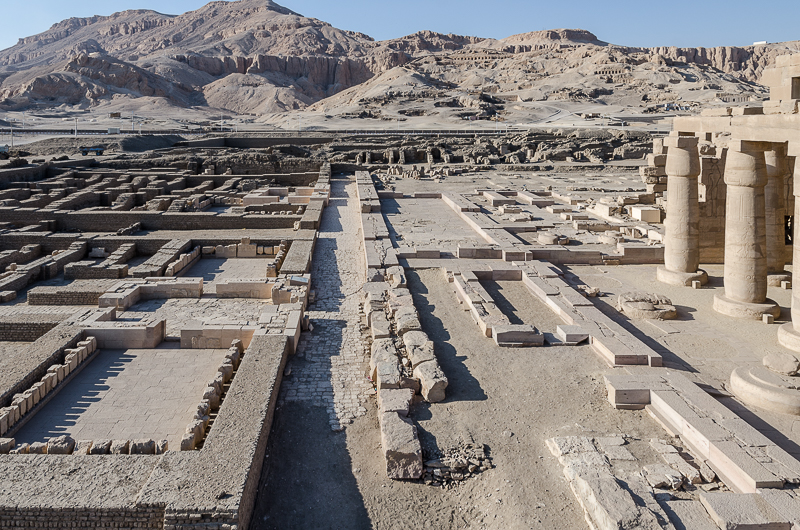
[[788, 337], [733, 308], [775, 279], [682, 279]]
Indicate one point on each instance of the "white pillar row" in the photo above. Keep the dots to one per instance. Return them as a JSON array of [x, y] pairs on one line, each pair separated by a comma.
[[745, 233], [682, 225]]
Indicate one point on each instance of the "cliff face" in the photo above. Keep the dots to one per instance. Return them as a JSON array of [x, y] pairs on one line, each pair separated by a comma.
[[284, 60], [748, 62]]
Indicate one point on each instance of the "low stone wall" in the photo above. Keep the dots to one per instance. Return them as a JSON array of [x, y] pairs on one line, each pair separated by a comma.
[[157, 264], [81, 292], [23, 404], [19, 372], [25, 254], [123, 295], [213, 396], [298, 258], [233, 452], [87, 220], [113, 266]]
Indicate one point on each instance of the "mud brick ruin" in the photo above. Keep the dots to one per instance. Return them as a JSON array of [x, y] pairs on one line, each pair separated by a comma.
[[472, 311]]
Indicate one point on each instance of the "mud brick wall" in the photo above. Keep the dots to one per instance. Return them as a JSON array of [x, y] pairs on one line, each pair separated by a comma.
[[76, 293], [48, 240], [238, 437], [25, 254], [112, 221], [18, 373], [27, 331], [133, 518]]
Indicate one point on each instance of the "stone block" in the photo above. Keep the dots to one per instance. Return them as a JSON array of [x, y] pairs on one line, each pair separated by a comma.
[[198, 429], [383, 351], [21, 449], [21, 403], [120, 447], [212, 395], [395, 400], [571, 334], [82, 447], [162, 446], [380, 326], [421, 354], [187, 442], [6, 445], [742, 511], [227, 371], [406, 323], [61, 445], [516, 335], [143, 447], [100, 447], [652, 171], [688, 515], [387, 375], [646, 214], [401, 448], [432, 380], [37, 448]]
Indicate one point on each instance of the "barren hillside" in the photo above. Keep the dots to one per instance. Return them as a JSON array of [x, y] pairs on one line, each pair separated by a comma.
[[256, 57]]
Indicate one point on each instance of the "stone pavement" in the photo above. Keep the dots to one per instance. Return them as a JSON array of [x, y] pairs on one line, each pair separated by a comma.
[[127, 395], [329, 369]]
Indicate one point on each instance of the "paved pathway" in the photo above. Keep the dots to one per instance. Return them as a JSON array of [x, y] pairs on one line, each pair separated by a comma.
[[329, 369]]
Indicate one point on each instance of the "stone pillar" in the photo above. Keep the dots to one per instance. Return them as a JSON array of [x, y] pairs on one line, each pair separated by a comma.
[[775, 199], [745, 234], [789, 333], [682, 225]]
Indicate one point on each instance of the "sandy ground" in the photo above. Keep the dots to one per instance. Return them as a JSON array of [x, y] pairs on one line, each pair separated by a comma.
[[701, 341], [509, 399]]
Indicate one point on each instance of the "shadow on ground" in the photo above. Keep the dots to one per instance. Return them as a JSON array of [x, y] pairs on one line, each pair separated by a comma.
[[307, 480]]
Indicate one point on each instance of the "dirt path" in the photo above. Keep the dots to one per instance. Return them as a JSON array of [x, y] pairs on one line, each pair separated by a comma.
[[509, 399]]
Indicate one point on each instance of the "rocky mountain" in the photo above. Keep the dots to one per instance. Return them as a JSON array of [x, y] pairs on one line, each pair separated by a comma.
[[257, 57]]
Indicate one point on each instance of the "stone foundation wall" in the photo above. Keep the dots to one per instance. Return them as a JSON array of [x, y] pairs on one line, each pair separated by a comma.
[[89, 221], [156, 265], [79, 517]]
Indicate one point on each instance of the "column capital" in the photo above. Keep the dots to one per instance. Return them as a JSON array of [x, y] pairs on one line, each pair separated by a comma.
[[745, 168]]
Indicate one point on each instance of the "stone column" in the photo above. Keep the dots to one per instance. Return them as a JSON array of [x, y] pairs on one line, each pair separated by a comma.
[[777, 172], [682, 225], [789, 333], [745, 234]]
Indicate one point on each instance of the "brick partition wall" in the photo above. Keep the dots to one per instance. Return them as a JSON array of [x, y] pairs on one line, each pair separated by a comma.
[[26, 331]]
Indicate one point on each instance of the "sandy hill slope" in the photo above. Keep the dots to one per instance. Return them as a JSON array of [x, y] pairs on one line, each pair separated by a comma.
[[257, 57]]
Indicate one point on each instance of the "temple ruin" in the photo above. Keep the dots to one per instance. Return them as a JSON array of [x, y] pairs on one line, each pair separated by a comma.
[[549, 328]]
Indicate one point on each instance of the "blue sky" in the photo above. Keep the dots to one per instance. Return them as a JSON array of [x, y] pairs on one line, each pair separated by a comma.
[[628, 22]]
